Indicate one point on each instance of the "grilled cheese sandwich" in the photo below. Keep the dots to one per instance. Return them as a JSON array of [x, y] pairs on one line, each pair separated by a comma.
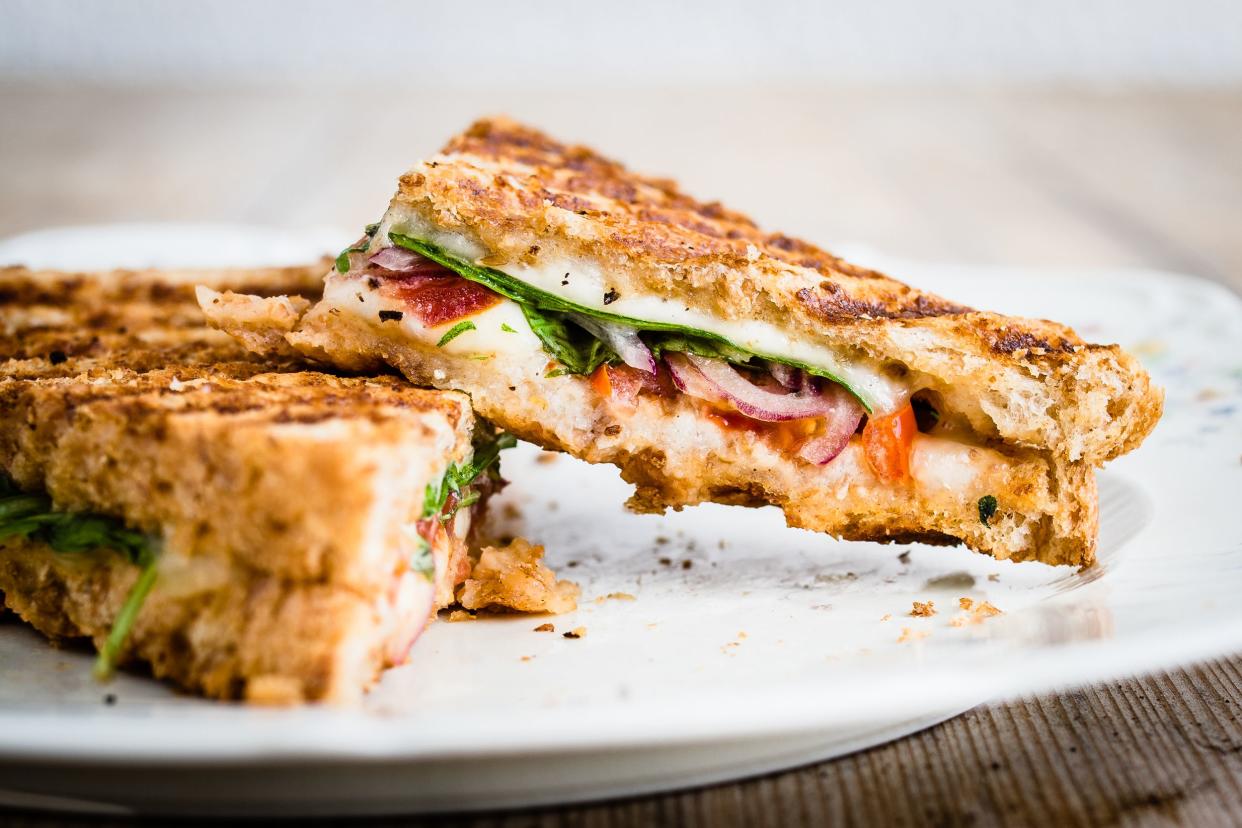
[[607, 314]]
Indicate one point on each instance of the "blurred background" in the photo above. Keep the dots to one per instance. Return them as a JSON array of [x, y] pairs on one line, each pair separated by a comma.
[[1063, 133]]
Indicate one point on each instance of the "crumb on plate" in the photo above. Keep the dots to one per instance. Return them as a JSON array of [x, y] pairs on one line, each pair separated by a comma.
[[514, 578], [978, 614], [615, 596]]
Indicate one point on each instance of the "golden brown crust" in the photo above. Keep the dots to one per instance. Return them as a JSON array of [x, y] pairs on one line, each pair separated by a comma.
[[523, 196]]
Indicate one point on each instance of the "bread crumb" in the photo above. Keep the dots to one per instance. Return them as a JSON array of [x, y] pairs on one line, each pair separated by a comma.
[[887, 617], [511, 511], [985, 610], [513, 577], [908, 634], [686, 564], [576, 632], [461, 615], [978, 613], [545, 628], [527, 658], [547, 457], [741, 634], [923, 609], [965, 603], [615, 596], [666, 561], [269, 688], [994, 577]]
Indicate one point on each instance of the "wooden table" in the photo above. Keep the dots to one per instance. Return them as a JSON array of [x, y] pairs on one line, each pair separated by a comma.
[[1050, 177]]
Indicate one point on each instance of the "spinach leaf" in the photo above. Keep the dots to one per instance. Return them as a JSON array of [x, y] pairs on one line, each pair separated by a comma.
[[662, 343], [31, 516], [342, 259], [457, 479], [105, 662], [578, 351]]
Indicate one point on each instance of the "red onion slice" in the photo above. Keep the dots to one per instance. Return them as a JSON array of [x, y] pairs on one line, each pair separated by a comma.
[[757, 402], [623, 340], [689, 380], [839, 427], [397, 259]]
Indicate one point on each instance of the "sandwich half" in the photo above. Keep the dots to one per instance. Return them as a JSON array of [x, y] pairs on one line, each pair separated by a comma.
[[249, 528], [611, 316]]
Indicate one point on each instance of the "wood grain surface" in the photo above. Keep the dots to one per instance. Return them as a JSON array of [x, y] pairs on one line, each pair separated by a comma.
[[1051, 177]]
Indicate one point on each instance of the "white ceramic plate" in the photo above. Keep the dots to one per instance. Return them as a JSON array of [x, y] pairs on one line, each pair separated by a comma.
[[748, 646]]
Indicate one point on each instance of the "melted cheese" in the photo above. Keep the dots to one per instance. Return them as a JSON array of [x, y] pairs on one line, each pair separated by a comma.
[[939, 463], [500, 329]]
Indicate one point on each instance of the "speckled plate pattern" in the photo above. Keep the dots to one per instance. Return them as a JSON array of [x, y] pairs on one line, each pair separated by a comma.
[[718, 642]]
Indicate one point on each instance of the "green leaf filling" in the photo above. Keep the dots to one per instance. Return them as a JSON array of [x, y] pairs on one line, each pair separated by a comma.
[[454, 332], [987, 508], [458, 479], [662, 343], [575, 358], [105, 662], [342, 259], [575, 349], [31, 516]]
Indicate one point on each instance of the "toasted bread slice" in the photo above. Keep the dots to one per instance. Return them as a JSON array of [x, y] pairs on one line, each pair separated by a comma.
[[498, 256], [288, 504]]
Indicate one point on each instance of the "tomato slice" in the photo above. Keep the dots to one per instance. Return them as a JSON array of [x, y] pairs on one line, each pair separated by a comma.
[[435, 300], [887, 441]]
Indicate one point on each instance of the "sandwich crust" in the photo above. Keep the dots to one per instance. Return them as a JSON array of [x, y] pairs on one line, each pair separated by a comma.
[[524, 197]]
